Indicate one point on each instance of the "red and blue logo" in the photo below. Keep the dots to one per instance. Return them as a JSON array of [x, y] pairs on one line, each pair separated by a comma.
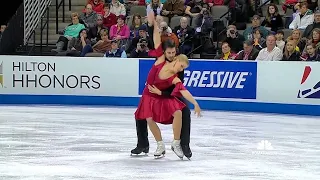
[[308, 81]]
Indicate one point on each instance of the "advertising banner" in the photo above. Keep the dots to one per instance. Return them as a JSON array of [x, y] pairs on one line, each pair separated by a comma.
[[218, 79], [294, 83], [68, 76]]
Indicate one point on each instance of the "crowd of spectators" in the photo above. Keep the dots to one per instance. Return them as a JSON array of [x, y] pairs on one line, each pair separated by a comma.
[[113, 28]]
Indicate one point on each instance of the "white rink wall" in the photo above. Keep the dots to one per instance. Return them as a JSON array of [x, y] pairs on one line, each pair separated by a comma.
[[275, 87]]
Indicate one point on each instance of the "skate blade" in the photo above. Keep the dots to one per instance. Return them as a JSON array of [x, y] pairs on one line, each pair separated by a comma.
[[139, 155], [181, 157], [159, 157]]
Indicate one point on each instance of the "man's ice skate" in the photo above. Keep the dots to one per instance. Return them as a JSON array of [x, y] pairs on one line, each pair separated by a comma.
[[160, 151], [176, 148], [186, 151], [139, 150]]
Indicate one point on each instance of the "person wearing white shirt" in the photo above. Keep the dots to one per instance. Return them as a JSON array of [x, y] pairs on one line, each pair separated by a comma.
[[155, 6], [271, 52], [303, 18]]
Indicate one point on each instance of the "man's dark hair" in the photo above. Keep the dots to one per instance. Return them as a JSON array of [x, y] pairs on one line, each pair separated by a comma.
[[106, 5], [168, 44], [248, 42]]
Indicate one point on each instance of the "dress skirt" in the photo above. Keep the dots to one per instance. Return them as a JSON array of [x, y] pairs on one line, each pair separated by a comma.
[[158, 108]]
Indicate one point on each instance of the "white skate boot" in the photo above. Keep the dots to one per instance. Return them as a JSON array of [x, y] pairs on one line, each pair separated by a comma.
[[176, 148], [161, 150]]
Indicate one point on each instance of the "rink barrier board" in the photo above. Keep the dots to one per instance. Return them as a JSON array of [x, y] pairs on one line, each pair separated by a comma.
[[298, 109], [273, 87]]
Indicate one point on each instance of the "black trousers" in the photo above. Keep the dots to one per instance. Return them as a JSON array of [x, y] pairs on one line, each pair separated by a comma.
[[142, 129]]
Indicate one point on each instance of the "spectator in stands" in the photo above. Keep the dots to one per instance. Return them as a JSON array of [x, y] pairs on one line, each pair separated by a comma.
[[185, 34], [214, 2], [227, 54], [71, 31], [165, 34], [120, 31], [280, 42], [194, 7], [94, 32], [248, 33], [271, 52], [142, 50], [149, 2], [204, 22], [312, 54], [248, 52], [273, 19], [304, 18], [115, 51], [136, 3], [156, 6], [173, 8], [290, 52], [97, 6], [238, 8], [296, 36], [2, 28], [289, 4], [89, 17], [135, 25], [316, 24], [258, 41], [128, 4], [109, 18], [109, 1], [142, 35], [204, 25], [159, 20], [234, 39], [315, 38], [117, 8], [101, 47], [76, 45]]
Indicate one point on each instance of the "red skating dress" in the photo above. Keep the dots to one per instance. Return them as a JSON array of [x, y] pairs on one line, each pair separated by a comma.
[[159, 108]]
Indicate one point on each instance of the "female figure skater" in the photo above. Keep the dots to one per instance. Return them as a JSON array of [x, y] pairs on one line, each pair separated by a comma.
[[155, 108]]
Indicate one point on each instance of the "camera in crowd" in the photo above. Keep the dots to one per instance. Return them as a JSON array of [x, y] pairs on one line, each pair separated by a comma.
[[164, 29], [143, 43]]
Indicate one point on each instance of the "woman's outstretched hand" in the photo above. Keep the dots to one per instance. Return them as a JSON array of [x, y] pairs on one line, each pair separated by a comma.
[[197, 110], [151, 18]]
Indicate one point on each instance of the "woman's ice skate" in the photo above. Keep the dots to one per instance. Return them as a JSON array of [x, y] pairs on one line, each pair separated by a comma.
[[176, 148], [160, 151]]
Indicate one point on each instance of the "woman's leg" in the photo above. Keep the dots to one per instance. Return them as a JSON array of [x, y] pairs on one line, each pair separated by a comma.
[[154, 129], [161, 150], [176, 126]]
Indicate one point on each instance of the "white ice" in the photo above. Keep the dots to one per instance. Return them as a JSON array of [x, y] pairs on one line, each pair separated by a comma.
[[67, 143]]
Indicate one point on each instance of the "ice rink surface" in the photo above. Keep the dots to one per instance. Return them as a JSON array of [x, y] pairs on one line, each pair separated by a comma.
[[85, 143]]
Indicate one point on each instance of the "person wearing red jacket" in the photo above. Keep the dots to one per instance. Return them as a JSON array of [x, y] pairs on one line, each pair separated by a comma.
[[109, 18], [97, 6]]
